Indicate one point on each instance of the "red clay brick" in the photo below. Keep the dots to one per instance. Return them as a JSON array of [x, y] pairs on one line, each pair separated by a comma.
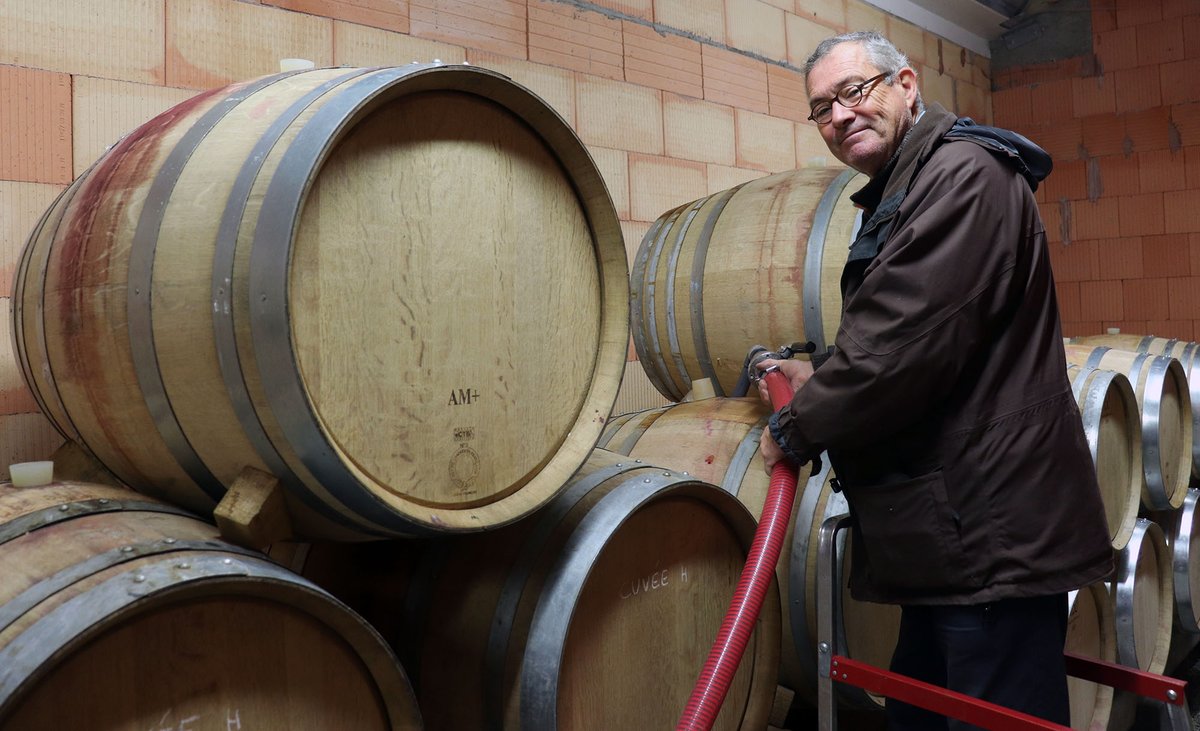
[[1116, 49], [1137, 88], [1166, 256], [575, 39], [637, 8], [733, 79], [1177, 8], [35, 113], [1104, 134], [1067, 294], [385, 14], [667, 62], [1138, 327], [658, 184], [1180, 212], [618, 115], [703, 18], [1146, 299], [1120, 258], [1077, 329], [1194, 253], [1098, 220], [1066, 68], [1053, 220], [1076, 262], [786, 94], [1149, 129], [1184, 296], [1118, 175], [1160, 42], [1063, 140], [1191, 28], [1160, 170], [757, 27], [1141, 215], [1192, 165], [1093, 95], [499, 26], [1180, 81], [1177, 329], [1186, 119], [1053, 100], [1101, 300], [1068, 180], [1013, 107], [1104, 18], [1137, 12]]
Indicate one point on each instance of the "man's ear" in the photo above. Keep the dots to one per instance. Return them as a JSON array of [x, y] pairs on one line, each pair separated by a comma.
[[907, 78]]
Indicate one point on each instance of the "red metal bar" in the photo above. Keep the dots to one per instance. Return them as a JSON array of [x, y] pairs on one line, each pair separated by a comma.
[[1149, 685], [936, 699]]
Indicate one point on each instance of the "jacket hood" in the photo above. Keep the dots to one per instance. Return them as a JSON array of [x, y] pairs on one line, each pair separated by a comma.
[[1030, 160]]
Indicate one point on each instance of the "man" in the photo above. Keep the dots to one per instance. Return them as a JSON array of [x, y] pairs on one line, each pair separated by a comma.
[[945, 407]]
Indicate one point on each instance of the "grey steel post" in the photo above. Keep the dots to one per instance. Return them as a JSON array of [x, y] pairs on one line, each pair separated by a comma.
[[828, 609]]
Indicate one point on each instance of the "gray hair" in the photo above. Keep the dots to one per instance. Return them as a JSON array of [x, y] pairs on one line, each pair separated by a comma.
[[881, 52]]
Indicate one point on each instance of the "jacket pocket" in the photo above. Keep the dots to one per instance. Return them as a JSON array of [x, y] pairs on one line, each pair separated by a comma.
[[911, 535]]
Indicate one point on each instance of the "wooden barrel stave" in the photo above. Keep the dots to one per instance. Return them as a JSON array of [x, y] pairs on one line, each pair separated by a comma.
[[746, 266], [598, 612], [1111, 423], [1166, 420], [1182, 532], [1090, 633], [103, 592], [717, 440], [1142, 599], [175, 401], [1185, 351]]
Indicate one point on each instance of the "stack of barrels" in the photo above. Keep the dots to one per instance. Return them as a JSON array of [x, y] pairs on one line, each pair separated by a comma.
[[335, 352], [1139, 397], [760, 264]]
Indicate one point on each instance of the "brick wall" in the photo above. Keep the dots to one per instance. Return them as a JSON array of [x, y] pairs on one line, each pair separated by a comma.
[[676, 99], [1123, 124]]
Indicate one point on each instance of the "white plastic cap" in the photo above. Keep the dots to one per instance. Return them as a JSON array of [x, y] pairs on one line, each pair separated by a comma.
[[31, 474], [295, 64]]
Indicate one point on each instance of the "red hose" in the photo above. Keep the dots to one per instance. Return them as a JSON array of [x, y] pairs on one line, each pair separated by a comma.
[[713, 683]]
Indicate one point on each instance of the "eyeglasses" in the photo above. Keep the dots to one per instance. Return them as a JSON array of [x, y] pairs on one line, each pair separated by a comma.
[[848, 96]]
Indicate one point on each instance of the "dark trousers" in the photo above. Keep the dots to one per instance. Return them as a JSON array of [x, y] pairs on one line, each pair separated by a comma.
[[1008, 652]]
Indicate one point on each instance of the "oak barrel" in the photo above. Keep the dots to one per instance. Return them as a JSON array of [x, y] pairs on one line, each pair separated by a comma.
[[1186, 352], [1112, 425], [1166, 417], [1142, 597], [597, 612], [1090, 633], [756, 264], [717, 440], [120, 612], [348, 278], [1182, 530]]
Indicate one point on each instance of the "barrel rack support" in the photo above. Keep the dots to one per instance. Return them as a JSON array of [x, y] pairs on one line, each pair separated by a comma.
[[832, 667]]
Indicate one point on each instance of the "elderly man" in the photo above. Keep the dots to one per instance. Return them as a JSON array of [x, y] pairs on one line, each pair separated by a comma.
[[944, 406]]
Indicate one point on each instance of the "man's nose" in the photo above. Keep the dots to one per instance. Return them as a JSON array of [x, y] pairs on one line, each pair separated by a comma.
[[841, 115]]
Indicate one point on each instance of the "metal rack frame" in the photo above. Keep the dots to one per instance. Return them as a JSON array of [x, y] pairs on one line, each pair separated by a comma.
[[832, 667]]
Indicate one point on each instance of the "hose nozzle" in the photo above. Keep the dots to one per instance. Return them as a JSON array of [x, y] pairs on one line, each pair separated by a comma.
[[759, 353]]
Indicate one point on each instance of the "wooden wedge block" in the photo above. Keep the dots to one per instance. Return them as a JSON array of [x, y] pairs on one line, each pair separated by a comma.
[[73, 462], [253, 513]]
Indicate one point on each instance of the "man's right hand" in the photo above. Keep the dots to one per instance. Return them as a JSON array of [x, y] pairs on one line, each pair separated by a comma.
[[796, 371]]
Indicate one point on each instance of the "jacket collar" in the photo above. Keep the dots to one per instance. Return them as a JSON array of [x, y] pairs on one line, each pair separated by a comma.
[[920, 141]]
